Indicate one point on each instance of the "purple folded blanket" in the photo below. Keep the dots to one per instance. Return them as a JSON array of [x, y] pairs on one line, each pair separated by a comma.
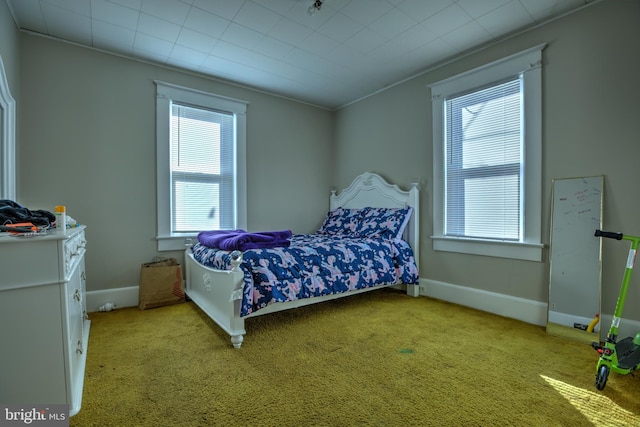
[[231, 240]]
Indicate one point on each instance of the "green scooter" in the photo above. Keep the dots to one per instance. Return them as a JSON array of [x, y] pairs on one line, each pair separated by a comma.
[[622, 357]]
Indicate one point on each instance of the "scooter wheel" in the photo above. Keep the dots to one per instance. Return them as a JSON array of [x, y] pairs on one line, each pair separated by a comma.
[[601, 377]]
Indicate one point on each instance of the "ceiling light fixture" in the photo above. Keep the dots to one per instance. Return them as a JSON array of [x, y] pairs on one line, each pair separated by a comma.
[[315, 7]]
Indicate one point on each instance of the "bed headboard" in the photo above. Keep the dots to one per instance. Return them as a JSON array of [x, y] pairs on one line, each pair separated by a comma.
[[371, 190]]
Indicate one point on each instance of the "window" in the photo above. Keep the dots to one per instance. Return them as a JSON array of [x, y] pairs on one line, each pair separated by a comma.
[[7, 139], [201, 164], [483, 163], [201, 169], [487, 159]]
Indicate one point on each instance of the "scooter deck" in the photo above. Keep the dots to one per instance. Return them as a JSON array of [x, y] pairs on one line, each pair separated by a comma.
[[628, 354]]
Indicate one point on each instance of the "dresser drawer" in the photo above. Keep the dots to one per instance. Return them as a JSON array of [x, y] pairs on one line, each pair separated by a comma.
[[75, 312], [74, 249], [77, 345]]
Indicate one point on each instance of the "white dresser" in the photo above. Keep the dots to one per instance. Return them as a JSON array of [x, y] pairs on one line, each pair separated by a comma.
[[44, 328]]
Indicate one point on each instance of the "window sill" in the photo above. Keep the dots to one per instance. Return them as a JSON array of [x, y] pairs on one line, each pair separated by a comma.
[[176, 243], [513, 250]]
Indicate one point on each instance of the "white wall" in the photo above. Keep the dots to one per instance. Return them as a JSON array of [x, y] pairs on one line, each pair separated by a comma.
[[590, 115], [88, 142]]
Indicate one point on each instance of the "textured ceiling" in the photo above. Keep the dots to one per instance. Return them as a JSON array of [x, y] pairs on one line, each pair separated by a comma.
[[347, 50]]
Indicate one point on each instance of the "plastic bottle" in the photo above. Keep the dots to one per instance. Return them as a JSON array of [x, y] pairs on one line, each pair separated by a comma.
[[61, 218]]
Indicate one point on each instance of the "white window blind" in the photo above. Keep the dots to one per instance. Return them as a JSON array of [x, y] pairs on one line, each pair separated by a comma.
[[484, 162], [202, 169]]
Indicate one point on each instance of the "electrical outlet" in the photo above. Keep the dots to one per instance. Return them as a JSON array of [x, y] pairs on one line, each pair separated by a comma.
[[423, 289]]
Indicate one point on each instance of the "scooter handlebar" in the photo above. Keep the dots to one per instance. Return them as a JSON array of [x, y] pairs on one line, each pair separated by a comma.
[[609, 234]]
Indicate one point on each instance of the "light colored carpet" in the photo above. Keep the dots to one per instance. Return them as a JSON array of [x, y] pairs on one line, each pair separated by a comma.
[[376, 359]]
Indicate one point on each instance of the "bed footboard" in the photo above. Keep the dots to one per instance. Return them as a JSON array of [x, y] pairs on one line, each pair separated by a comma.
[[218, 293]]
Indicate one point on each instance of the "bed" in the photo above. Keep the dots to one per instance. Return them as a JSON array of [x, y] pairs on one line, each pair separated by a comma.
[[222, 284]]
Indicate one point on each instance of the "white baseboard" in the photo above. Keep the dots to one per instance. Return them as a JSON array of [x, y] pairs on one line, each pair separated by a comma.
[[518, 308], [121, 297], [529, 311]]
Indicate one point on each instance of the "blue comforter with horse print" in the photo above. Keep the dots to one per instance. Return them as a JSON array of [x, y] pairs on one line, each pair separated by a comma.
[[314, 265]]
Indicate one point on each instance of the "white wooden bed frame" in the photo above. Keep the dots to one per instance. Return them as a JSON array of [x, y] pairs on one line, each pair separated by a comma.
[[218, 293]]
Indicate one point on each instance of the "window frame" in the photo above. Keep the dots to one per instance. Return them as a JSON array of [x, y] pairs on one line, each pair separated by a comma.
[[165, 94], [7, 138], [529, 64]]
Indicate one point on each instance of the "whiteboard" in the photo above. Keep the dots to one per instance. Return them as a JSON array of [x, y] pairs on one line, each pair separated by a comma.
[[575, 262]]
